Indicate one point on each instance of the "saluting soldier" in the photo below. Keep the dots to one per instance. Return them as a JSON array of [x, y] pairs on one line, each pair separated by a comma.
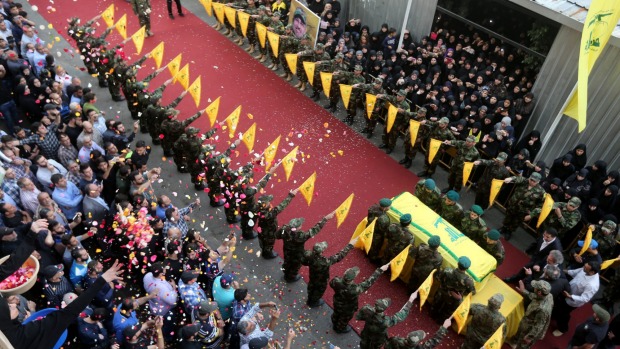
[[374, 335], [441, 132], [465, 152], [401, 121], [247, 205], [313, 55], [350, 78], [172, 129], [155, 114], [376, 88], [412, 149], [267, 216], [563, 217]]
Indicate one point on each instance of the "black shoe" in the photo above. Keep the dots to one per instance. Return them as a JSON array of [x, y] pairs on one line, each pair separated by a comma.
[[382, 146], [346, 330], [118, 98], [403, 161], [171, 16], [156, 141], [316, 304], [408, 164], [389, 150], [103, 84], [422, 174], [510, 280], [293, 279], [368, 134], [181, 169], [181, 14], [316, 97], [249, 236], [199, 186], [326, 106], [349, 120], [236, 219], [270, 255]]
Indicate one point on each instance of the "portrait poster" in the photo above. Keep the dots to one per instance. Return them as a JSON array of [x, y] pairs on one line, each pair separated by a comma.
[[304, 21]]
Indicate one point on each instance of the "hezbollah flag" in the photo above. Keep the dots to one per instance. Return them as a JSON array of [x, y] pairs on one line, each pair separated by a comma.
[[274, 42], [230, 15], [414, 127], [433, 148], [370, 104], [121, 26], [270, 153], [194, 90], [600, 22], [361, 226], [232, 120], [138, 39], [545, 210], [261, 32], [309, 68], [174, 65], [208, 7], [462, 312], [425, 288], [366, 236], [108, 15], [606, 264], [244, 19], [182, 76], [326, 80], [291, 59], [496, 185], [343, 210], [289, 161], [158, 54], [397, 264], [391, 117], [249, 136], [212, 110], [307, 188], [495, 341], [467, 167], [586, 241], [345, 93], [219, 11]]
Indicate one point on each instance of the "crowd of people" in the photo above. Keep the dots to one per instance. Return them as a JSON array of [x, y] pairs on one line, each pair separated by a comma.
[[77, 191]]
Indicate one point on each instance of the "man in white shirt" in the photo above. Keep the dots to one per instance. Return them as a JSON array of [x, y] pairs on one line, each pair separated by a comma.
[[46, 168], [28, 194]]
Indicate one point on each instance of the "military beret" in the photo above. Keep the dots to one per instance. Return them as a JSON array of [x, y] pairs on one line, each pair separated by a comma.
[[378, 81], [536, 176], [402, 93], [496, 300], [610, 225], [574, 201], [351, 273], [464, 262], [542, 286], [358, 68], [192, 130], [477, 210], [470, 139], [415, 337], [493, 234], [453, 196], [434, 241], [502, 157], [429, 184], [319, 247], [385, 202], [405, 219], [319, 46], [265, 199], [296, 222], [382, 304], [339, 55], [444, 120], [601, 313]]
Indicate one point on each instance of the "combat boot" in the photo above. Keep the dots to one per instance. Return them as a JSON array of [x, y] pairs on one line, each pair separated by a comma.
[[250, 49], [316, 96], [298, 84], [199, 186], [270, 66], [404, 160], [283, 75], [270, 255], [289, 77], [263, 58], [275, 67], [408, 163], [302, 88], [350, 119]]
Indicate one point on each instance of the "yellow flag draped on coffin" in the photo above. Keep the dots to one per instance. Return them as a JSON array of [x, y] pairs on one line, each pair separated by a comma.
[[219, 11], [174, 65], [230, 15], [467, 167], [343, 210], [545, 210], [425, 288], [208, 5], [370, 104], [138, 39], [232, 120], [495, 341], [462, 312], [249, 136], [391, 117], [121, 26], [244, 20], [195, 90], [345, 93], [212, 110], [397, 264], [261, 32], [158, 54], [289, 161], [309, 68], [291, 59], [307, 188], [270, 153], [433, 148], [586, 241], [108, 15], [326, 81], [274, 42], [496, 185]]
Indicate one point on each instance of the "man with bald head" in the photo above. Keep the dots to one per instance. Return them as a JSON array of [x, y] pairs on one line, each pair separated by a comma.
[[87, 147], [89, 130], [95, 208]]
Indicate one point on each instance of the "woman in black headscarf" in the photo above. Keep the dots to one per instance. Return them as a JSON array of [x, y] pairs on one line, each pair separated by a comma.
[[607, 200], [597, 173], [531, 142], [28, 103], [580, 157]]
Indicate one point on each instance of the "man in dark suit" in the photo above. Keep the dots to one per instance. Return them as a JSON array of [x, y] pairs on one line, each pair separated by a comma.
[[539, 251], [95, 208]]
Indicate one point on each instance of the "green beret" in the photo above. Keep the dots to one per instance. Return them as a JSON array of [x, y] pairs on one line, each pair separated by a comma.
[[405, 219], [402, 93], [464, 262], [453, 196], [415, 337], [385, 202], [296, 222], [601, 313], [444, 120], [350, 274], [319, 247], [382, 304], [493, 234], [502, 157], [358, 68], [477, 210], [574, 201], [434, 241], [429, 184], [536, 176]]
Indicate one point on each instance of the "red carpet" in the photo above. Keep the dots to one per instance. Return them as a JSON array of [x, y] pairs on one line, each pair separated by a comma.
[[344, 161]]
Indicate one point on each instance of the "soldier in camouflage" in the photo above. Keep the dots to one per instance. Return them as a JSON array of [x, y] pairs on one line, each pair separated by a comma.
[[412, 150], [89, 44], [400, 123], [485, 320], [142, 8], [105, 67], [441, 132], [132, 88], [294, 240], [346, 295], [277, 27], [426, 259], [495, 169], [339, 68], [376, 88], [534, 324], [398, 237], [563, 217], [414, 339], [312, 55], [378, 211], [375, 335], [450, 210], [145, 99], [288, 44], [426, 191], [172, 129], [493, 246], [352, 79], [267, 217], [324, 64], [251, 9], [606, 236], [526, 196], [247, 205], [155, 114], [215, 167], [194, 151], [473, 226], [465, 152], [455, 284], [263, 18], [180, 159]]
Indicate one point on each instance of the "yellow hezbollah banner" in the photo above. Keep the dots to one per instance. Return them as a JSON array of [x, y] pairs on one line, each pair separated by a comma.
[[586, 241], [121, 26], [194, 90], [261, 32], [495, 341], [425, 288], [391, 117], [496, 185], [370, 104], [414, 127], [433, 148], [274, 42], [244, 19], [606, 264], [307, 188], [174, 65], [232, 120], [397, 264], [361, 226], [158, 54], [230, 15], [289, 161], [462, 312], [345, 93], [467, 167], [108, 15], [208, 7], [366, 236], [309, 68], [219, 11], [182, 76], [138, 39], [343, 210], [249, 136], [291, 59], [212, 110], [270, 153], [326, 81], [545, 210]]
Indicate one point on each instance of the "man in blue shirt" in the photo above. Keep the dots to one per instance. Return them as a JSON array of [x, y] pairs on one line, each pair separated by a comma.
[[67, 196], [224, 294]]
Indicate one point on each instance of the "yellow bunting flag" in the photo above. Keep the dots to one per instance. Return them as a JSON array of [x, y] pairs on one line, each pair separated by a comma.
[[274, 42], [261, 32], [547, 206], [208, 5], [370, 104], [397, 264], [249, 136], [391, 116], [307, 188], [158, 54], [433, 148], [366, 236], [496, 185], [138, 39], [121, 26], [212, 110], [270, 153], [232, 120], [194, 91], [230, 15], [414, 127], [182, 76], [425, 288], [291, 59], [244, 19], [108, 15], [495, 341], [345, 93], [343, 210], [606, 264], [467, 167], [219, 11], [289, 161], [326, 81], [309, 68], [462, 312], [586, 241], [174, 65], [361, 226]]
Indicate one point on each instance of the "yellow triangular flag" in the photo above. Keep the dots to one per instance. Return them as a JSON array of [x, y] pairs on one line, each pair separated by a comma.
[[397, 264], [496, 185], [572, 108], [194, 90], [232, 120], [326, 81], [208, 6], [174, 65], [547, 206], [138, 39], [496, 340], [108, 16], [391, 116], [182, 76], [366, 236], [158, 54], [244, 19], [291, 59], [249, 136], [212, 110], [586, 241], [467, 167], [261, 32], [343, 210], [274, 42], [462, 312], [270, 153], [289, 161], [230, 15], [219, 11], [121, 26], [361, 226], [345, 93], [425, 288], [433, 148], [414, 127], [307, 188], [370, 104], [606, 264], [309, 68]]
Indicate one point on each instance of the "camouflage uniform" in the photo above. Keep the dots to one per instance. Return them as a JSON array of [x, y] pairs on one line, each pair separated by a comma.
[[288, 44], [346, 294], [312, 55], [195, 153], [451, 213], [485, 320], [248, 207], [380, 232], [89, 45], [155, 114], [374, 335], [605, 236], [398, 238], [562, 224], [350, 79], [463, 154], [105, 67], [426, 260], [495, 248], [374, 89], [400, 123], [412, 341], [268, 223], [521, 203], [318, 266], [473, 228], [412, 150], [215, 168], [494, 170], [145, 100], [180, 159], [438, 133], [132, 89], [142, 8], [455, 280], [430, 198], [535, 321], [172, 129], [294, 241]]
